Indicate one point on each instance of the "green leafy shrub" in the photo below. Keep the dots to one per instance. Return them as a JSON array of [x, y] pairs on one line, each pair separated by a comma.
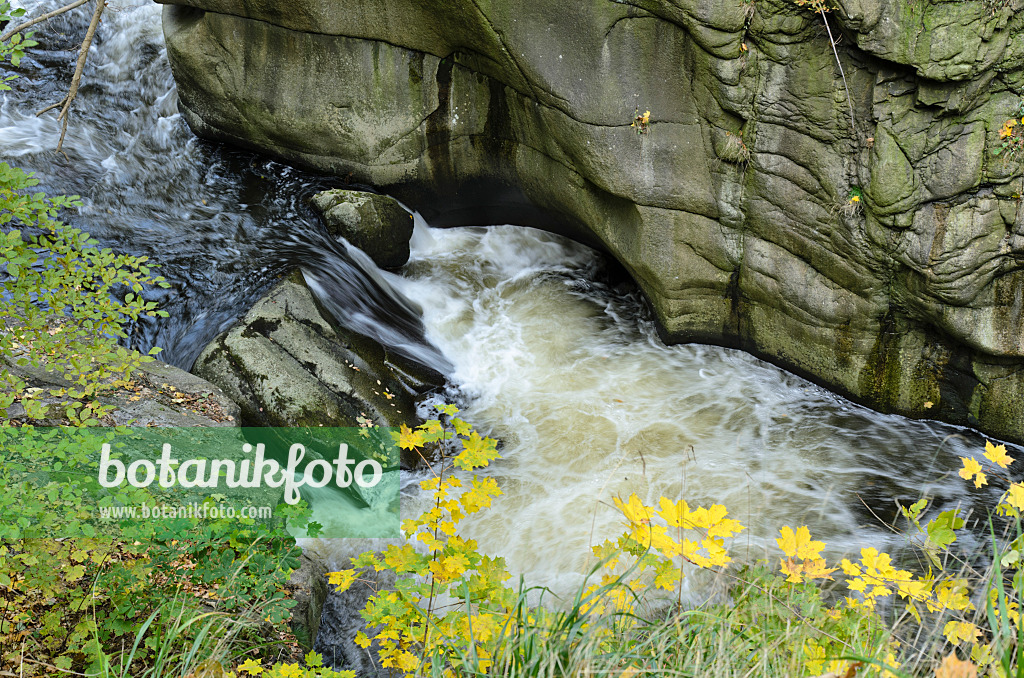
[[74, 602], [177, 589], [12, 50], [60, 304]]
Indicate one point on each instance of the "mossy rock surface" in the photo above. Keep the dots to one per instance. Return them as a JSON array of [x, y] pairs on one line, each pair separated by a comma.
[[158, 395], [374, 223]]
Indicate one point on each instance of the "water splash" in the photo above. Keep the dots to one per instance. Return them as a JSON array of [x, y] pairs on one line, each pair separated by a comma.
[[359, 297], [563, 366]]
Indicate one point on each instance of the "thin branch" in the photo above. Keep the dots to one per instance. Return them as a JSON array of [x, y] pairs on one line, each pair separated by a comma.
[[42, 17], [83, 54], [49, 666], [832, 41], [433, 554], [51, 107]]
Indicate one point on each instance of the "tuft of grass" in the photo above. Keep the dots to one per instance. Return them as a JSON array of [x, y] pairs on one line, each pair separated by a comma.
[[733, 149], [767, 627]]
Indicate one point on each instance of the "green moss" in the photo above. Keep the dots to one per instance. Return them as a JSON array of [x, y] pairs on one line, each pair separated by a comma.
[[882, 376]]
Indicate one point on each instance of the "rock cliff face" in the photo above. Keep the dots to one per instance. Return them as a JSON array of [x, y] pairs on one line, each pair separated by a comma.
[[735, 211]]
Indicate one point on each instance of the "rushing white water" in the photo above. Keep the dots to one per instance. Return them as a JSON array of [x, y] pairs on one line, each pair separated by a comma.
[[214, 218], [589, 404]]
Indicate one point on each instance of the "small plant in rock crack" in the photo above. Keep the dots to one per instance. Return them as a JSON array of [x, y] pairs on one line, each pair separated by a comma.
[[641, 122], [853, 205], [734, 149], [1011, 138]]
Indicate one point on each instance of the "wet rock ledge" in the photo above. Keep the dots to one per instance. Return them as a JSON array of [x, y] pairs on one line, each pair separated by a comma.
[[287, 363]]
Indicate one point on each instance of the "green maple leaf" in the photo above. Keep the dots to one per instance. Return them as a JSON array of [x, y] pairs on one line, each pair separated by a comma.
[[404, 559], [476, 452], [941, 530]]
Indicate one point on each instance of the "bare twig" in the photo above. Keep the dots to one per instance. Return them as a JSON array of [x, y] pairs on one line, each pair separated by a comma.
[[42, 17], [49, 666], [832, 41], [83, 54], [51, 107]]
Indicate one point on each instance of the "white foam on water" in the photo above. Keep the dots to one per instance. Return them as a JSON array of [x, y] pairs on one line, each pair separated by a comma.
[[590, 405]]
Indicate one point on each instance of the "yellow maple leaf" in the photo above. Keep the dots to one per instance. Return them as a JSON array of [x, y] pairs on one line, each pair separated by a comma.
[[432, 430], [476, 452], [725, 527], [402, 558], [997, 454], [608, 552], [657, 537], [674, 513], [409, 439], [667, 578], [341, 580], [449, 567], [799, 544], [957, 632], [793, 570], [816, 568], [251, 666], [1015, 496], [407, 661], [953, 595], [634, 510], [972, 469], [956, 668], [480, 496]]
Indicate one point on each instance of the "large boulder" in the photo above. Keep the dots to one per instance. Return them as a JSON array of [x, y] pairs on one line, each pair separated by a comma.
[[376, 224], [288, 363], [881, 254]]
